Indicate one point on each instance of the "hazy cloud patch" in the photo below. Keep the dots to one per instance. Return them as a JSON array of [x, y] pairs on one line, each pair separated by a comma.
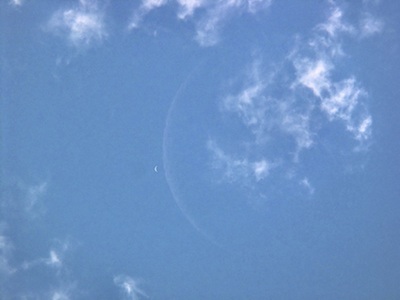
[[212, 17], [370, 25], [129, 287], [16, 2], [237, 169], [82, 25]]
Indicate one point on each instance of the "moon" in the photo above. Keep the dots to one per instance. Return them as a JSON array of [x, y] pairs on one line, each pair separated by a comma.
[[156, 169]]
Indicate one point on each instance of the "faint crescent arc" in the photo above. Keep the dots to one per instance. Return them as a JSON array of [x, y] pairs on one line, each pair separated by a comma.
[[166, 164], [156, 169]]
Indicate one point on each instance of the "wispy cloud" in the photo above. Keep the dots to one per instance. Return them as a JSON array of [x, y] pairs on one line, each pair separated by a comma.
[[370, 25], [250, 103], [82, 25], [307, 185], [145, 8], [335, 24], [209, 26], [235, 169], [265, 115], [6, 248], [341, 100], [212, 17], [187, 7], [22, 203], [59, 295], [130, 287], [284, 111], [16, 2]]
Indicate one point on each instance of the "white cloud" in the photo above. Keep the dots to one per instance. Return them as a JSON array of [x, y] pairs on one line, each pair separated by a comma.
[[313, 74], [5, 254], [130, 287], [214, 14], [209, 27], [146, 7], [59, 295], [340, 100], [235, 169], [187, 7], [35, 194], [83, 25], [54, 259], [297, 125], [335, 23], [16, 2], [254, 6], [370, 25], [263, 114], [307, 185]]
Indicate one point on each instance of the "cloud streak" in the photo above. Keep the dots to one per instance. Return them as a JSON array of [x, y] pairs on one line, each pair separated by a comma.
[[238, 170], [129, 287], [209, 17]]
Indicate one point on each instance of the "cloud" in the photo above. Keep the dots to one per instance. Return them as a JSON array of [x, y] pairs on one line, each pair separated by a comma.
[[313, 74], [59, 295], [284, 109], [254, 6], [130, 287], [211, 19], [369, 25], [187, 7], [35, 194], [83, 25], [21, 204], [307, 185], [16, 2], [209, 27], [250, 103], [6, 248], [265, 115], [335, 23], [340, 99], [146, 7], [238, 170], [54, 259]]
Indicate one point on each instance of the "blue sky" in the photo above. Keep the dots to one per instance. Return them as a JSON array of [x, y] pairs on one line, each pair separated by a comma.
[[197, 149]]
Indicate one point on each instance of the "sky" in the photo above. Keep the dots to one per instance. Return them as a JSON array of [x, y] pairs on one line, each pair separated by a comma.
[[198, 149]]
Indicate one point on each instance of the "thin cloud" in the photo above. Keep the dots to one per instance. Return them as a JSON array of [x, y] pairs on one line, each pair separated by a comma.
[[59, 295], [313, 74], [82, 25], [35, 194], [340, 100], [145, 8], [209, 23], [369, 25], [6, 248], [262, 114], [235, 169], [254, 6], [16, 2], [130, 287], [335, 23], [188, 7], [209, 27], [307, 185]]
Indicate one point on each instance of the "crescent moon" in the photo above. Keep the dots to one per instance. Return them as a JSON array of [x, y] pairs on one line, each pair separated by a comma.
[[156, 169]]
